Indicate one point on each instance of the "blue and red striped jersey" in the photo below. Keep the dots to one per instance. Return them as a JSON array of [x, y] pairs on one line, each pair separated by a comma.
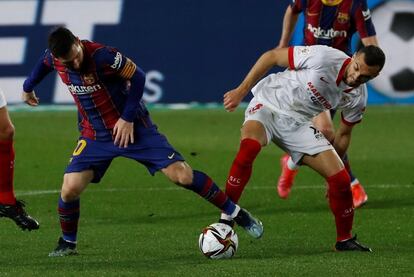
[[108, 86], [334, 24]]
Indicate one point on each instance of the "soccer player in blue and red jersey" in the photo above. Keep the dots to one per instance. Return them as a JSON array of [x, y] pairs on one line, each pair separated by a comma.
[[107, 88], [9, 206], [332, 23]]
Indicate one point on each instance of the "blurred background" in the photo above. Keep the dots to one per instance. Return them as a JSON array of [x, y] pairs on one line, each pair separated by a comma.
[[192, 51]]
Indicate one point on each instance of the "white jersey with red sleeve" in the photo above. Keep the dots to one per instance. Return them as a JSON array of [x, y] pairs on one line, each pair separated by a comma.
[[312, 84]]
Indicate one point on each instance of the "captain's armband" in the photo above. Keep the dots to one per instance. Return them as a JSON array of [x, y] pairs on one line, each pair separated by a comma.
[[128, 70]]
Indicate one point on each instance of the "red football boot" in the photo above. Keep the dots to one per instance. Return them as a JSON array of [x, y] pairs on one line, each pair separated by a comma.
[[285, 182], [359, 195]]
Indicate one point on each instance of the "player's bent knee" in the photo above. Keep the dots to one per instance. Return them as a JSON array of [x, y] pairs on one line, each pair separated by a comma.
[[70, 191], [179, 173], [185, 178], [74, 184], [7, 132], [254, 130], [69, 194]]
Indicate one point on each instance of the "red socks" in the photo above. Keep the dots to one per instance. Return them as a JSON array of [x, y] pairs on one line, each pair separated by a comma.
[[241, 168], [6, 173], [340, 202]]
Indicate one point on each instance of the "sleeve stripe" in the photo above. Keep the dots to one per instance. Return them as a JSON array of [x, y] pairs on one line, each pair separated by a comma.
[[290, 56], [128, 70]]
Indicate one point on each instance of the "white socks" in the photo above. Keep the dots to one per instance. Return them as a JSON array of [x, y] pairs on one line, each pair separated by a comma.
[[233, 215], [291, 165]]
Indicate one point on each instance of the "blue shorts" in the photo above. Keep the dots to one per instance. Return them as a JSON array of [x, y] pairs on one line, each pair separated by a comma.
[[151, 149]]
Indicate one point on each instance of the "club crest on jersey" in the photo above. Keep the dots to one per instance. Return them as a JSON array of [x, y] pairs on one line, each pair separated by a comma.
[[304, 50], [345, 99], [117, 61], [89, 79], [255, 108], [343, 18]]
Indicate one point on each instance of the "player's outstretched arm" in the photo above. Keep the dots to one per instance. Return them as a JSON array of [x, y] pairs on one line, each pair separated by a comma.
[[289, 23], [271, 58], [342, 138], [41, 69]]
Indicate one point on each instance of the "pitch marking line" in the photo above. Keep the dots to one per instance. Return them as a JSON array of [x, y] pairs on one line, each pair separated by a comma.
[[44, 192]]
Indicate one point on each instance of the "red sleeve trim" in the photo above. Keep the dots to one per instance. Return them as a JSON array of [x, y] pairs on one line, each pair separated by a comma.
[[342, 71], [296, 6], [348, 123], [290, 56]]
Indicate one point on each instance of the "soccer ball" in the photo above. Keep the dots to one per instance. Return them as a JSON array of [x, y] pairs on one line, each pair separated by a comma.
[[393, 22], [218, 241]]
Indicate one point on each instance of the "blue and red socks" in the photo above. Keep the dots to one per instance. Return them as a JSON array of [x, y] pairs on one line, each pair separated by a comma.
[[7, 173], [242, 167], [69, 218], [340, 202], [206, 188]]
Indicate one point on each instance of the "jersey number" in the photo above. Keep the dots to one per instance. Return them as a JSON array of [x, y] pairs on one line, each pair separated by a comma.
[[79, 148]]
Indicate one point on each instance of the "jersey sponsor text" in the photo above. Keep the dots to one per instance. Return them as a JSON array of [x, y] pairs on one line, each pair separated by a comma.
[[117, 61], [318, 98], [79, 90], [326, 34]]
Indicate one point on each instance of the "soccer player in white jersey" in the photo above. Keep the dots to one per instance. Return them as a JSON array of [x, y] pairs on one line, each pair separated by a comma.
[[9, 206], [319, 78], [326, 15]]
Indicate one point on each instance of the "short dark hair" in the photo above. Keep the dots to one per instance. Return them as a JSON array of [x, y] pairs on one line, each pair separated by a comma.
[[60, 41], [374, 56]]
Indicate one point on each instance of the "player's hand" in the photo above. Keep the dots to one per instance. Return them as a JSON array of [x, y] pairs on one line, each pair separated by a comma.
[[30, 98], [232, 99], [123, 133]]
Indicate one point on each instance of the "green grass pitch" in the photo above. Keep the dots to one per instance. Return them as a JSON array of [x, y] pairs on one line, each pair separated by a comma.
[[137, 225]]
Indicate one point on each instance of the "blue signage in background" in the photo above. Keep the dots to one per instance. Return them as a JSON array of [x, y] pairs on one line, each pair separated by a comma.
[[394, 24], [190, 50]]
